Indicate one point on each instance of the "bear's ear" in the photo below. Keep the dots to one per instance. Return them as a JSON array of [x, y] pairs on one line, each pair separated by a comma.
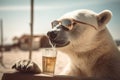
[[104, 17]]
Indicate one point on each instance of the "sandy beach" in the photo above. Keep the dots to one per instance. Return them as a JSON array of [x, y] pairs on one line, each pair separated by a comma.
[[13, 56]]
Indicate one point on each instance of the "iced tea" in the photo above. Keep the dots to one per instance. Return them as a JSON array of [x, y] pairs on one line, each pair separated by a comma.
[[49, 60], [48, 64]]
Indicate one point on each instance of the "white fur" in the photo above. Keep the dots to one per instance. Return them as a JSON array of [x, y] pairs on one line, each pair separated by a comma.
[[81, 15], [89, 46]]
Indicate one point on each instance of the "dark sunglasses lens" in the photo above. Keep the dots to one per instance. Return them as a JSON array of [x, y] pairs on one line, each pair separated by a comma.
[[66, 22], [54, 23]]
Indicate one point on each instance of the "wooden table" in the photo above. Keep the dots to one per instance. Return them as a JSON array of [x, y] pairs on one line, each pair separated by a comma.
[[28, 76]]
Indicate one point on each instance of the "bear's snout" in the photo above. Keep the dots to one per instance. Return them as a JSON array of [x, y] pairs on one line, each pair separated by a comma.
[[52, 34]]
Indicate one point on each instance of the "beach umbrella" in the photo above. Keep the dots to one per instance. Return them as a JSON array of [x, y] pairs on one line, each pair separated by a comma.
[[31, 28], [2, 48]]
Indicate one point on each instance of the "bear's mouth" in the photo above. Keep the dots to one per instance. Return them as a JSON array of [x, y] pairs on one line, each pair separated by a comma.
[[59, 43]]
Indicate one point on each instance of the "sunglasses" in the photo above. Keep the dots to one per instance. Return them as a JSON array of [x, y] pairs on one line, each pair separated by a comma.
[[68, 23]]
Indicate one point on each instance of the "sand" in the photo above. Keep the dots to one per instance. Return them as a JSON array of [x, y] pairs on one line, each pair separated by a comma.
[[16, 55]]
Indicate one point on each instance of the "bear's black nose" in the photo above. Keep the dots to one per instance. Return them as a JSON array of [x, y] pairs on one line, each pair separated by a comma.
[[52, 34]]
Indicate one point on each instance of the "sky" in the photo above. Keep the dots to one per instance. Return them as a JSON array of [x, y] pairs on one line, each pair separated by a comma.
[[16, 15]]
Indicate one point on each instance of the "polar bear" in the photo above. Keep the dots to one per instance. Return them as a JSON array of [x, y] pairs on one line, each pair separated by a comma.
[[84, 37]]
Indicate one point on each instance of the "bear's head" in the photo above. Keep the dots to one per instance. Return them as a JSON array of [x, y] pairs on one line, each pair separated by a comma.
[[79, 29]]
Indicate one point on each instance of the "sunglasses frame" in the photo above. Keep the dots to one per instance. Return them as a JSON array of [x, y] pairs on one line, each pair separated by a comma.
[[73, 21]]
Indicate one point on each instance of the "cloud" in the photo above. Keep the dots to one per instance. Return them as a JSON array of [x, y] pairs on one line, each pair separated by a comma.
[[13, 8], [27, 8], [54, 5]]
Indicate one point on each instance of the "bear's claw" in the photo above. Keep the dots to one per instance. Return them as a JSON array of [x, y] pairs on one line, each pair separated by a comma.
[[26, 66]]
